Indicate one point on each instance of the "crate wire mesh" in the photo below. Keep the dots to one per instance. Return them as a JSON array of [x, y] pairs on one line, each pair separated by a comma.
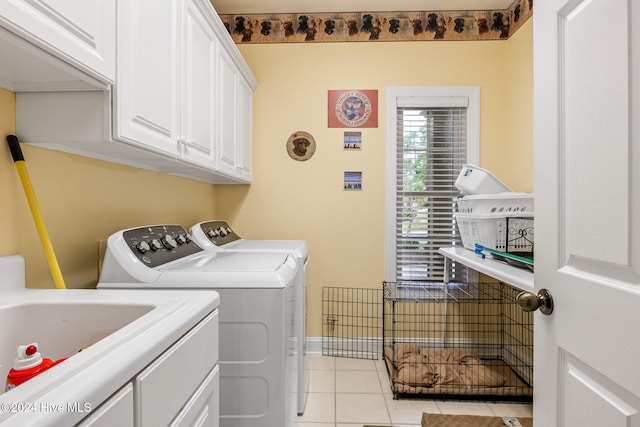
[[352, 322], [457, 341]]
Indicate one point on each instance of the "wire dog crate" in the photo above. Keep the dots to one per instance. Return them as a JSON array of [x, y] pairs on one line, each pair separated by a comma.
[[457, 341]]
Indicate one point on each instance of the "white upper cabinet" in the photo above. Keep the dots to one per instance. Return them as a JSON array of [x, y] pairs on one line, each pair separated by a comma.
[[146, 95], [181, 101], [244, 123], [177, 87], [228, 114], [236, 112], [79, 37], [200, 53]]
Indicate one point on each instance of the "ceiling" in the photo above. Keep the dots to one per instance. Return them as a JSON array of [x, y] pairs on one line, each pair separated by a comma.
[[237, 7]]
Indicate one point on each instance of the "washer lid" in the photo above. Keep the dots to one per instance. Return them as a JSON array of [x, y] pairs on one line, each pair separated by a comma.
[[230, 262], [214, 270], [297, 248]]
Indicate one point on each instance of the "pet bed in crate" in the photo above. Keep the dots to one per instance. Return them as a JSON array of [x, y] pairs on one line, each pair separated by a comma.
[[417, 370]]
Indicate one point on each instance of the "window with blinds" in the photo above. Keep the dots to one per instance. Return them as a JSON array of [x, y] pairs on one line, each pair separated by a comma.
[[430, 147]]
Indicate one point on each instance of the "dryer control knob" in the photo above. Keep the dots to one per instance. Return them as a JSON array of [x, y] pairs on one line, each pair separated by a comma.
[[143, 247], [181, 239], [169, 242], [156, 244], [211, 232], [222, 232]]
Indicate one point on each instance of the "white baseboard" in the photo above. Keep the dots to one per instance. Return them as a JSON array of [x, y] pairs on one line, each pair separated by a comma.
[[350, 346], [314, 345]]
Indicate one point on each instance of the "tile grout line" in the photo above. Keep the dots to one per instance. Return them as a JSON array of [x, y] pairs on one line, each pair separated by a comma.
[[335, 391], [386, 405]]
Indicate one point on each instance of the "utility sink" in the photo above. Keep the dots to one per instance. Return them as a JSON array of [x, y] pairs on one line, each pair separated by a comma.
[[61, 329], [119, 331]]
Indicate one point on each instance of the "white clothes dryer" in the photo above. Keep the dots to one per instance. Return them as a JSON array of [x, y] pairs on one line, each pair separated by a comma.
[[258, 360], [217, 235]]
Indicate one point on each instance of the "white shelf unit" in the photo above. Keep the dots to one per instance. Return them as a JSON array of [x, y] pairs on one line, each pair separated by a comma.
[[517, 277]]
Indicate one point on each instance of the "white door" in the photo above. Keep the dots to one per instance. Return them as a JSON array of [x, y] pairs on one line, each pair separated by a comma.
[[587, 187]]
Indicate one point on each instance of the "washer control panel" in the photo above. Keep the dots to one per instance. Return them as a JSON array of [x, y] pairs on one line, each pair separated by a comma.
[[219, 232], [159, 244]]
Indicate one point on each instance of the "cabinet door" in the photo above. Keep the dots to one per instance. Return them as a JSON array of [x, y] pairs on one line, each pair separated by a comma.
[[116, 411], [164, 387], [146, 103], [228, 115], [80, 32], [203, 408], [199, 73], [245, 125]]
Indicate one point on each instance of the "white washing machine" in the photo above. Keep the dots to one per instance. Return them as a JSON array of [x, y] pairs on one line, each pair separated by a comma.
[[258, 360], [216, 235]]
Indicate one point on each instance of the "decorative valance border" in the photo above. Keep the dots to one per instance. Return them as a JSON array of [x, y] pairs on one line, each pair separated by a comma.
[[378, 26]]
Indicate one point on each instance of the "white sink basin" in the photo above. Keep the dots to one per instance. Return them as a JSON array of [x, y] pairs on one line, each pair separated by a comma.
[[125, 330], [61, 329]]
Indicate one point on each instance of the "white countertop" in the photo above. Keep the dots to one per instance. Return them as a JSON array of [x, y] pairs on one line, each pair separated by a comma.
[[518, 277], [91, 376]]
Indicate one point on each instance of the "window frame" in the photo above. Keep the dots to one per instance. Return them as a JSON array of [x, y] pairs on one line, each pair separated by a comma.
[[437, 95]]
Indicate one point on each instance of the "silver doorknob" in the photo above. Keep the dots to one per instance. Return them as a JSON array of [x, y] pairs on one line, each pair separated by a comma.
[[531, 302]]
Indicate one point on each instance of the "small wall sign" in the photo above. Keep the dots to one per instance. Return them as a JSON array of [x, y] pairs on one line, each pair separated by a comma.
[[352, 140], [353, 180], [353, 109]]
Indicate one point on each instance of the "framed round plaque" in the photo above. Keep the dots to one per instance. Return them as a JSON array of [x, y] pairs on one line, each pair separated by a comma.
[[301, 146]]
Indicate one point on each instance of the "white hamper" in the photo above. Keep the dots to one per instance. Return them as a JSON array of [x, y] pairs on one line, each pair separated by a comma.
[[496, 203], [503, 232], [475, 180]]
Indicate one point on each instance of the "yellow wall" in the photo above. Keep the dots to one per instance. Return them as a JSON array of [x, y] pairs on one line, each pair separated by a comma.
[[519, 114], [305, 200], [82, 202]]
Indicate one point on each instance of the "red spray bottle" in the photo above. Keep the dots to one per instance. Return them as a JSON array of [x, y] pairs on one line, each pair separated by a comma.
[[27, 365]]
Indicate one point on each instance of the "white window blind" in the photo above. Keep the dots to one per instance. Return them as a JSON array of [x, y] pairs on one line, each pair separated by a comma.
[[431, 148]]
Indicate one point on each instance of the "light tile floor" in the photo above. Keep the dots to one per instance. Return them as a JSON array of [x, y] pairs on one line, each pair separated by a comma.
[[351, 392]]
